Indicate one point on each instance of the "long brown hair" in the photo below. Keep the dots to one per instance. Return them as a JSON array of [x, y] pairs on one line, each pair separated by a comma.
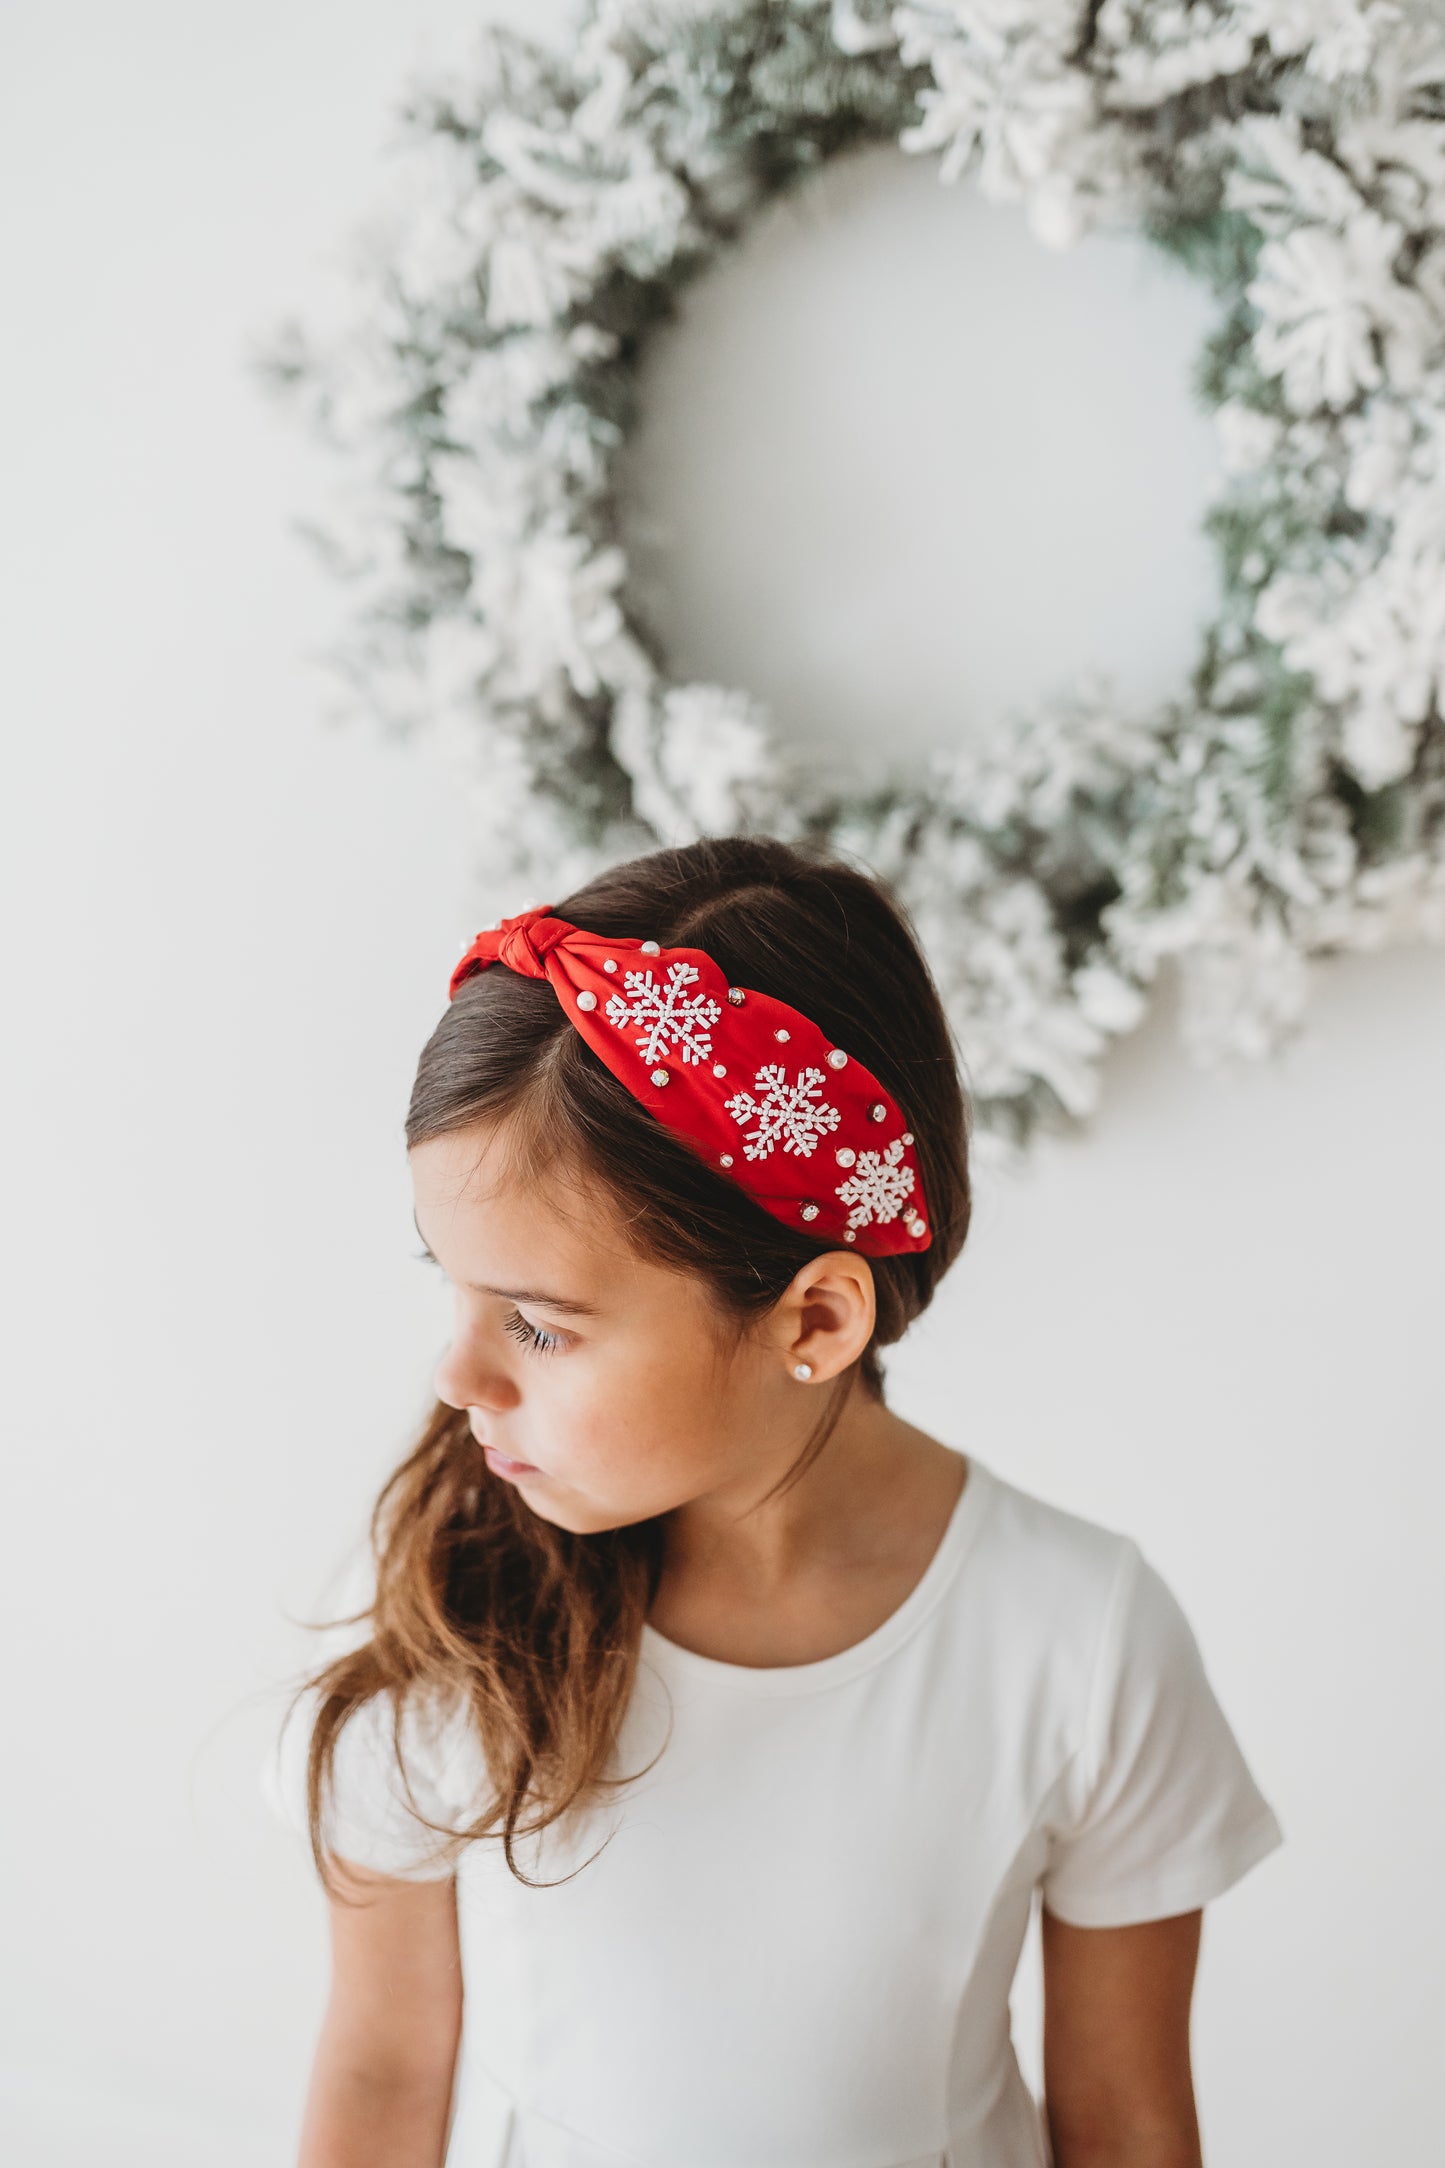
[[534, 1629]]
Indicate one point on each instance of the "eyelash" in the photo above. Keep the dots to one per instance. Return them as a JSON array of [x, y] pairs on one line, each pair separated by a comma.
[[531, 1336]]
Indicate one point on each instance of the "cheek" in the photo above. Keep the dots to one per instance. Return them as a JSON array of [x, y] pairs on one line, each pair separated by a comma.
[[651, 1412]]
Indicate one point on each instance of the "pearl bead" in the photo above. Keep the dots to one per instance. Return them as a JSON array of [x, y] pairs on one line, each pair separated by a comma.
[[878, 1112], [908, 1136], [651, 948], [782, 1032], [836, 1057], [845, 1155], [609, 963], [659, 1076], [810, 1211], [586, 999], [849, 1235], [719, 1068], [726, 1160]]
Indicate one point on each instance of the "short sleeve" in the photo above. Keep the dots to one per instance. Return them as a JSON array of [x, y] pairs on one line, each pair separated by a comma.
[[1158, 1812], [368, 1819]]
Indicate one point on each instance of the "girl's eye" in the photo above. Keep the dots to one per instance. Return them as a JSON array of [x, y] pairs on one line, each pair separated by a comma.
[[532, 1336]]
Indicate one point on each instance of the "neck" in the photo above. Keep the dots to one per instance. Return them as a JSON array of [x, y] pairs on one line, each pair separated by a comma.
[[865, 1491]]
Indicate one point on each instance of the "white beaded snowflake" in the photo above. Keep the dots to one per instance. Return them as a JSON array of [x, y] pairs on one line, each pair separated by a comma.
[[790, 1114], [671, 1019], [877, 1186]]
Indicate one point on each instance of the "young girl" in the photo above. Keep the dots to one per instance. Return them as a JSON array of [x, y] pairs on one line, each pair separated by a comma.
[[714, 1727]]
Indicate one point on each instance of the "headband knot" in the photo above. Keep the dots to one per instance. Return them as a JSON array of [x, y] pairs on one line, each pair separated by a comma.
[[522, 943], [528, 939]]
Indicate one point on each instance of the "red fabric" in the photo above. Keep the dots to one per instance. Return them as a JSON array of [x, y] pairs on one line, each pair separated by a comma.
[[670, 1012]]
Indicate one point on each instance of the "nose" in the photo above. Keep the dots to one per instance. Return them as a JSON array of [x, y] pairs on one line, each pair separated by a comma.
[[466, 1378]]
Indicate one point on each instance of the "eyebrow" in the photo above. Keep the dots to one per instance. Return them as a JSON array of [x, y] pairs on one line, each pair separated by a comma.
[[535, 1295]]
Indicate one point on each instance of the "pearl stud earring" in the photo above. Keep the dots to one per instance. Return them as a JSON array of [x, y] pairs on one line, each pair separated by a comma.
[[802, 1370]]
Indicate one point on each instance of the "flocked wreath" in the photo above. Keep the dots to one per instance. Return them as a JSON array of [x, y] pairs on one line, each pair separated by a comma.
[[1290, 801]]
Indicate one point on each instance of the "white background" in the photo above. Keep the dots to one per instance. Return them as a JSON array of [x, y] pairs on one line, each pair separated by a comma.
[[915, 469]]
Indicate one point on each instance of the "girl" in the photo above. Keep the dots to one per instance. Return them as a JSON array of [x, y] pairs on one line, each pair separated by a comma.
[[714, 1726]]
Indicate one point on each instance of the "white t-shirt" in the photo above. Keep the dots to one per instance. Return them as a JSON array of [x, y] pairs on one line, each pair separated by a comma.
[[797, 1947]]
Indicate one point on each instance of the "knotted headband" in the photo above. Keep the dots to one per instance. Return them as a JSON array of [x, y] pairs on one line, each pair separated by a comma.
[[750, 1083]]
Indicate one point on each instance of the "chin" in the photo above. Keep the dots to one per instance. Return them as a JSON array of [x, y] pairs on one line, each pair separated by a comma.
[[583, 1517]]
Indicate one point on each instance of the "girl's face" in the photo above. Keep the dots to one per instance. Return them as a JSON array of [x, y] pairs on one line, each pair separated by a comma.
[[603, 1384]]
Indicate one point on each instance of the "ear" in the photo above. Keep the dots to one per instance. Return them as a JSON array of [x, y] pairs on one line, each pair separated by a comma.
[[826, 1313]]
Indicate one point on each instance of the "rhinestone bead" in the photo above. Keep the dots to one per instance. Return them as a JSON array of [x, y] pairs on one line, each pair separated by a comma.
[[726, 1160], [845, 1155], [586, 999], [719, 1068], [651, 948], [878, 1112], [836, 1057], [809, 1211], [659, 1076], [782, 1033], [736, 996], [609, 963]]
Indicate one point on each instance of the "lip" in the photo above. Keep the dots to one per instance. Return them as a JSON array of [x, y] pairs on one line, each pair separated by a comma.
[[505, 1465]]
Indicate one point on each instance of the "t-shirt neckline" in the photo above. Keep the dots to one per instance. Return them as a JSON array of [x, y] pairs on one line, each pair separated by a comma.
[[962, 1526]]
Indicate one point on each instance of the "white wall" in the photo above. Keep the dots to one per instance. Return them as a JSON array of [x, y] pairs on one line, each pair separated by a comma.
[[1213, 1320]]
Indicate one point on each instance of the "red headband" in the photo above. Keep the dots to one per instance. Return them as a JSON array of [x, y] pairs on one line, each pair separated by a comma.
[[749, 1082]]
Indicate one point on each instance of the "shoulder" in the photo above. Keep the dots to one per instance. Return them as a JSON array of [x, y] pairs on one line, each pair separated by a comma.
[[1138, 1787], [1020, 1635], [1059, 1570], [1090, 1594], [399, 1767], [1072, 1613], [1048, 1530]]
